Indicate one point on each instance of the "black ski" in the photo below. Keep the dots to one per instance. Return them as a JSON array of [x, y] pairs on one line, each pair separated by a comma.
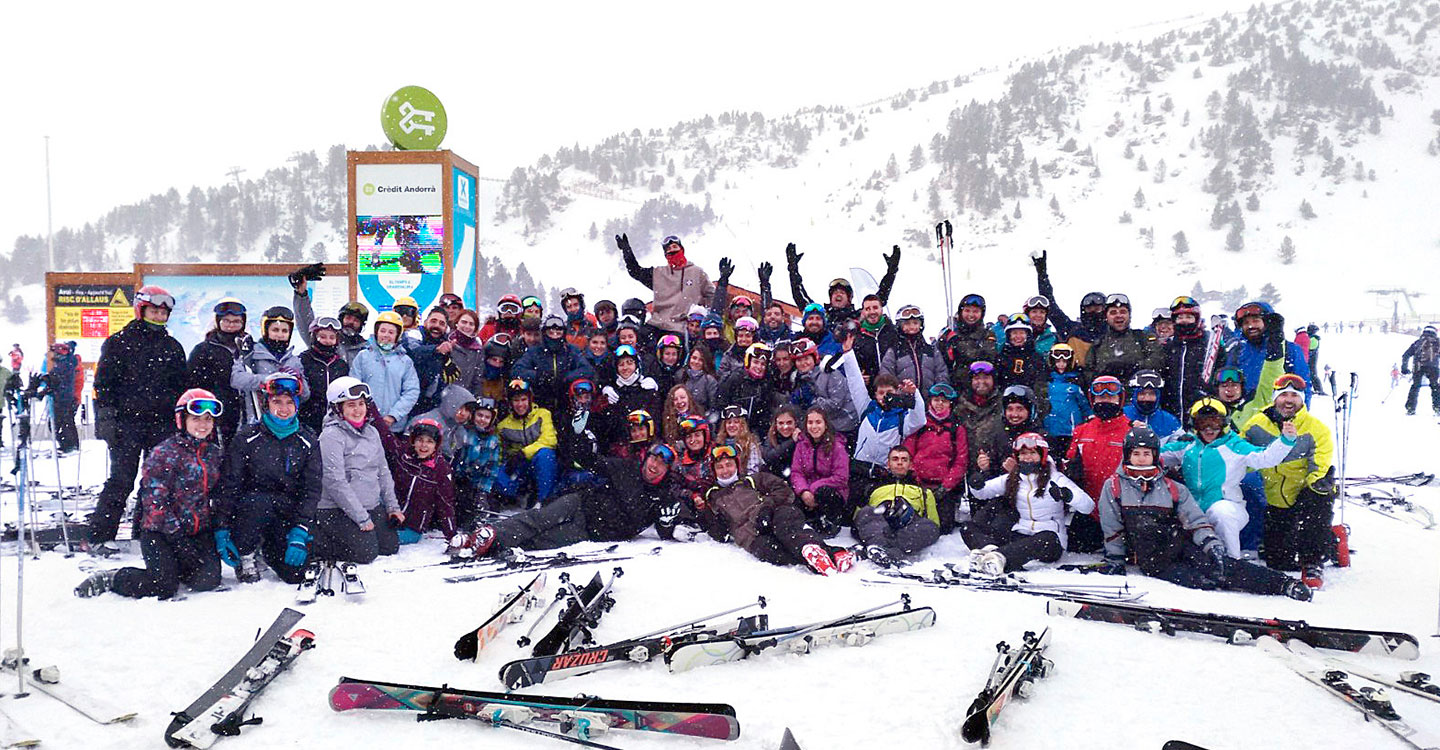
[[1237, 629], [532, 563], [951, 577], [583, 610], [220, 711], [508, 558], [1013, 673]]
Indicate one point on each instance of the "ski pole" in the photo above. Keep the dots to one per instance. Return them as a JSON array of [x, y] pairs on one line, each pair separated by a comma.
[[20, 490], [700, 620], [904, 601], [60, 481], [560, 596]]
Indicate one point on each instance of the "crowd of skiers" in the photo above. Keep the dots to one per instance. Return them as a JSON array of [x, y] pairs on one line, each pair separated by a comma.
[[1183, 446]]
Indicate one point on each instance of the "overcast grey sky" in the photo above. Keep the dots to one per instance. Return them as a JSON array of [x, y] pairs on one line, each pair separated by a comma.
[[141, 97]]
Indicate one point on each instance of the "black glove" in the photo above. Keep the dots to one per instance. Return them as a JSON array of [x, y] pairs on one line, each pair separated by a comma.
[[243, 344], [312, 272], [668, 514], [1112, 566], [727, 267], [892, 261], [974, 480], [763, 519], [1040, 262], [1324, 485], [764, 272], [792, 256], [1061, 493], [1405, 369], [107, 421], [1274, 335], [622, 241]]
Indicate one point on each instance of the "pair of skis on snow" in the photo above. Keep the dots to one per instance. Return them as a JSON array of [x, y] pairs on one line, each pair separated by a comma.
[[1013, 674], [952, 576], [46, 680], [321, 577]]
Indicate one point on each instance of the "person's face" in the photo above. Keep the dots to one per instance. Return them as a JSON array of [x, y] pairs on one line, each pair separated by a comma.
[[695, 441], [625, 366], [654, 468], [533, 311], [554, 334], [1118, 318], [1062, 364], [531, 338], [774, 317], [839, 297], [353, 410], [352, 323], [583, 399], [1142, 457], [278, 330], [571, 305], [814, 425], [1093, 310], [597, 345], [1037, 316], [483, 419], [805, 363], [1016, 413], [784, 361], [1289, 403], [1253, 326], [627, 336], [726, 467], [785, 426], [155, 314], [1230, 391], [1164, 328], [757, 366], [982, 383], [452, 313], [410, 316], [940, 406], [814, 324], [1030, 455], [669, 356], [327, 337], [898, 462], [281, 406], [711, 334], [639, 433], [692, 328], [423, 445], [744, 338], [883, 391], [738, 311], [681, 401], [870, 311], [498, 362], [605, 316], [910, 327], [970, 314], [1147, 396], [696, 361], [1208, 428], [466, 324], [231, 323], [1187, 318], [1016, 338], [520, 404], [733, 425], [199, 426], [386, 333]]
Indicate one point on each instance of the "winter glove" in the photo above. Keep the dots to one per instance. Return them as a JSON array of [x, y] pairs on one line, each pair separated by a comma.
[[610, 394], [1182, 438], [897, 512], [764, 272], [106, 423], [1040, 261], [297, 546], [396, 519], [1405, 369], [668, 515], [649, 384], [408, 536], [763, 520], [892, 261], [1324, 485], [622, 241], [974, 480], [243, 344], [727, 267], [1274, 335], [1112, 566], [229, 554], [792, 256], [1061, 494]]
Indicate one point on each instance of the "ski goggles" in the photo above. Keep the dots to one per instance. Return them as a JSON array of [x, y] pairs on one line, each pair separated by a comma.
[[502, 339], [281, 384], [814, 308], [1147, 380], [1062, 351], [909, 312], [734, 411], [747, 324], [204, 407], [696, 317], [724, 451], [972, 300], [1117, 300], [1246, 311], [982, 366], [355, 392], [509, 308], [1230, 375], [1106, 386], [691, 424], [157, 299], [485, 402], [1038, 300], [639, 417], [742, 301], [665, 452], [943, 390], [583, 385], [669, 340], [1183, 300], [325, 323], [1290, 382], [230, 307], [451, 300], [626, 350], [672, 240], [1032, 440], [531, 301], [1161, 313]]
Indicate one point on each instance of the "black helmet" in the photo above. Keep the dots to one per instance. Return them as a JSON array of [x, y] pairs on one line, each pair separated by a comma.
[[635, 307], [358, 309], [1093, 299], [496, 348], [1141, 436], [1019, 394]]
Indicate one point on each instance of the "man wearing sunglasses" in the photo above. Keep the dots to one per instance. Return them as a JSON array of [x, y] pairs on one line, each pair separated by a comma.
[[677, 285], [138, 378], [1122, 350], [1255, 319], [841, 303]]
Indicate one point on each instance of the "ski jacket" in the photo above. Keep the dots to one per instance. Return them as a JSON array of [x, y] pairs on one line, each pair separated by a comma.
[[776, 458], [1307, 462], [394, 386], [422, 487], [963, 344], [814, 468], [577, 438], [507, 326], [320, 369], [451, 399], [248, 373], [1250, 358], [477, 458], [1259, 397], [1020, 365], [824, 387], [1035, 509], [259, 464], [704, 389], [973, 413], [731, 511], [175, 485], [64, 379], [577, 326], [1302, 340], [675, 291], [834, 315], [1213, 471], [430, 365], [550, 367], [138, 378], [1424, 351], [940, 452], [1122, 353], [1068, 405], [1123, 499], [209, 367], [880, 429], [757, 395], [348, 345], [357, 476], [1184, 365], [870, 346], [624, 505], [467, 355], [1096, 451], [913, 358], [1162, 422], [528, 434], [906, 488], [1045, 339]]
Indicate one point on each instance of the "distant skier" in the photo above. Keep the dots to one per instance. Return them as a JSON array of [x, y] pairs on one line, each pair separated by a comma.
[[1426, 355], [17, 358]]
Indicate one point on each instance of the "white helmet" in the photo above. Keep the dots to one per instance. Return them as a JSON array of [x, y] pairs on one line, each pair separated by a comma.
[[346, 389]]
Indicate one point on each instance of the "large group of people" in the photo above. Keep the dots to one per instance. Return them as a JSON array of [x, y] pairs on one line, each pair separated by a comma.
[[1182, 446]]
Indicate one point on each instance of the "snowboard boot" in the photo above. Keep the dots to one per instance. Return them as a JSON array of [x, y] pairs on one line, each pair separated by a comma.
[[878, 555], [818, 559], [844, 559], [992, 563], [98, 583], [1313, 576], [249, 570], [1297, 589], [482, 541]]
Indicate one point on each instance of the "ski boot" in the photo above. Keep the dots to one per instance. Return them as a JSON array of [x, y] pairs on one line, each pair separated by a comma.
[[249, 569], [818, 559], [992, 563], [1298, 589], [350, 582], [844, 559], [1410, 411], [977, 562], [98, 583], [878, 555], [309, 584], [1313, 576]]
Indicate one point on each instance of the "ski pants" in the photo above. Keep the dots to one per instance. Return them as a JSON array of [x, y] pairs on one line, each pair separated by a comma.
[[1252, 487], [558, 523], [261, 522], [340, 539], [1017, 548], [1163, 550], [1428, 374], [1228, 517], [126, 449], [540, 470], [170, 561], [1300, 535], [830, 507], [872, 528], [67, 438], [1086, 534], [788, 535]]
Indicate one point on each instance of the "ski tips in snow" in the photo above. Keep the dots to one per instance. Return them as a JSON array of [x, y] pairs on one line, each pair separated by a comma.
[[788, 742], [1014, 673]]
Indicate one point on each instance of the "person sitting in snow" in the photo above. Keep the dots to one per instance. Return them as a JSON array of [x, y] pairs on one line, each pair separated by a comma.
[[423, 484], [1029, 523], [902, 516]]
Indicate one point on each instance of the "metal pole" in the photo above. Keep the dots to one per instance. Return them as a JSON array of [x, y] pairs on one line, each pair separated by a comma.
[[19, 650], [59, 481], [700, 620], [49, 236]]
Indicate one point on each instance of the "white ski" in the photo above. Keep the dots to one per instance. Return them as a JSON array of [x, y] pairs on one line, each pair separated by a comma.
[[46, 681], [856, 630], [1416, 684]]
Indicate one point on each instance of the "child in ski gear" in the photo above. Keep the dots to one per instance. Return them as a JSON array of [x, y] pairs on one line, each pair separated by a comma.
[[1068, 405], [423, 485], [1031, 508], [1144, 406], [527, 435], [734, 430], [692, 461], [902, 516], [751, 389], [358, 503], [1020, 363], [388, 373], [820, 474], [678, 404], [939, 453], [476, 462], [991, 441], [629, 392], [640, 429], [174, 508]]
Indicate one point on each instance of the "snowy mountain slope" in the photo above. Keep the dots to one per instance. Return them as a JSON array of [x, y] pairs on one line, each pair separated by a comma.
[[1114, 687]]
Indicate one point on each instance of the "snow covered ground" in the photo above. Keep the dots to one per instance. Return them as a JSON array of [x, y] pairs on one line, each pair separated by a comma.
[[1113, 687]]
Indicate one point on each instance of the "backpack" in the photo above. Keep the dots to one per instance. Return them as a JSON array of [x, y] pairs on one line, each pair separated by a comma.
[[1169, 484]]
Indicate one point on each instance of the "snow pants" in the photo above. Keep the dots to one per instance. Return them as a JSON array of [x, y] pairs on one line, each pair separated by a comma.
[[539, 471], [1165, 551], [1300, 535], [170, 561], [126, 449], [558, 523], [67, 438], [787, 536], [1252, 487], [340, 539], [261, 522], [830, 511], [872, 528], [1228, 517], [1086, 534], [1428, 374], [1017, 548]]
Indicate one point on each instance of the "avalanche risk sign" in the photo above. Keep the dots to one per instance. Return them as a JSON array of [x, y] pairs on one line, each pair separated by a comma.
[[89, 313]]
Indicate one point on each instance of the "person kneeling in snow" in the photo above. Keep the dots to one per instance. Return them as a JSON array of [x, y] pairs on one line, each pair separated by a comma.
[[1155, 517], [174, 508], [758, 513], [423, 485], [902, 517], [1030, 524]]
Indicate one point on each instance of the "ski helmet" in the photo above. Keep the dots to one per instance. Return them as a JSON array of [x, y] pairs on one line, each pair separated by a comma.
[[971, 300], [281, 384], [580, 386], [1092, 299], [1210, 408], [229, 306], [1252, 308], [450, 299], [426, 427], [517, 387], [391, 317], [325, 323], [488, 404], [1230, 374], [1032, 440], [280, 314], [1117, 300], [406, 303], [1018, 322], [358, 309], [692, 423], [553, 321], [1428, 331], [197, 402], [508, 305], [497, 348], [1018, 394], [1147, 379], [1290, 382], [747, 323], [1141, 436], [758, 349], [569, 293], [1107, 385], [741, 300], [841, 284], [346, 388], [1062, 351], [1185, 304], [669, 341], [814, 308], [634, 307], [642, 418], [670, 240], [152, 296], [804, 348], [1039, 301], [910, 312], [606, 304]]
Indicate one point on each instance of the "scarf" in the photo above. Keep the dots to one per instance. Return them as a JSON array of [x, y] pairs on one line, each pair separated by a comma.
[[357, 425], [873, 329], [632, 380], [280, 428], [728, 482], [465, 342]]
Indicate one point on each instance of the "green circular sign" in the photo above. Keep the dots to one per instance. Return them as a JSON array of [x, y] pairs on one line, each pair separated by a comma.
[[414, 119]]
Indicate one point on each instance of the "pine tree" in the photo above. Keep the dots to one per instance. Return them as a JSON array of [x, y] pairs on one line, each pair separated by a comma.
[[1054, 204], [1126, 218], [594, 231], [1129, 151], [1141, 165], [934, 200], [917, 158], [1160, 171], [1270, 294], [1252, 203], [1306, 210], [892, 168], [1017, 210], [1287, 251], [1182, 245], [1139, 198], [1235, 240], [16, 311]]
